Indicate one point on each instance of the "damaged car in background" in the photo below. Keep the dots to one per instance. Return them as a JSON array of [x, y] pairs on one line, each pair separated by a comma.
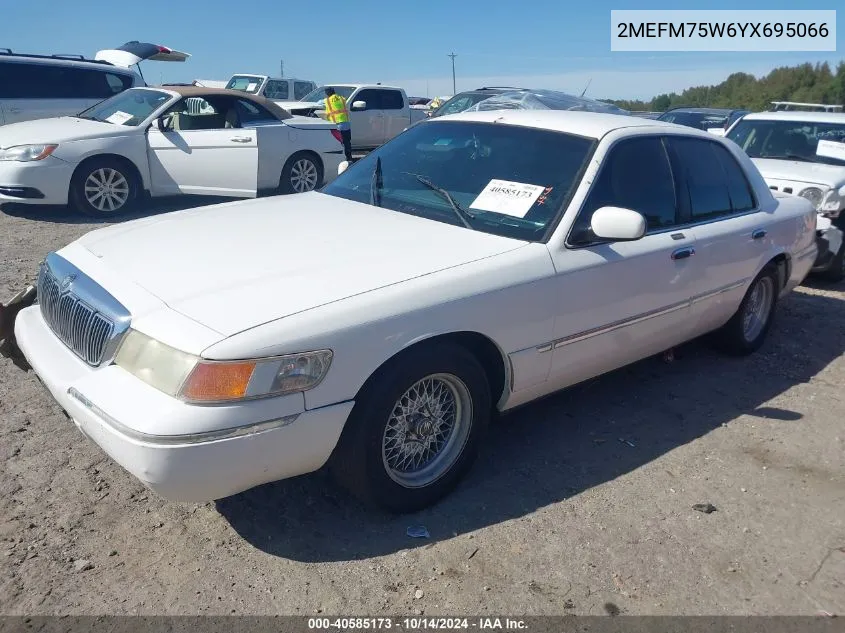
[[376, 325], [803, 154]]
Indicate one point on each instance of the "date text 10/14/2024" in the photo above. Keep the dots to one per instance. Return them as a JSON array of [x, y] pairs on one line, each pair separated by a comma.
[[416, 624]]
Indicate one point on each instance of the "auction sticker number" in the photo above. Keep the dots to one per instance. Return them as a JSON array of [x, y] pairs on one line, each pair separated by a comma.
[[348, 624], [831, 149], [507, 198]]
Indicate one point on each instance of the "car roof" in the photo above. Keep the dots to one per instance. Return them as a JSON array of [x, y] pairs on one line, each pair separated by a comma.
[[589, 124], [798, 116], [63, 60], [201, 91]]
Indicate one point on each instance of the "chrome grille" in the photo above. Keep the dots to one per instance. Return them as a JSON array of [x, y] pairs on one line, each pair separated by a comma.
[[79, 312]]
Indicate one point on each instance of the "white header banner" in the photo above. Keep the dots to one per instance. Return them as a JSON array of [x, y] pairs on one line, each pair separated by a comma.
[[736, 31]]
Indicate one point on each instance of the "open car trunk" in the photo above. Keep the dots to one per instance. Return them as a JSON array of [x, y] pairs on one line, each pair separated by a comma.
[[132, 53]]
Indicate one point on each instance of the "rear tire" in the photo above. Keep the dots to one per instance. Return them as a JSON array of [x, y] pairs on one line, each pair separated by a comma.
[[415, 429], [748, 328], [302, 172], [103, 187]]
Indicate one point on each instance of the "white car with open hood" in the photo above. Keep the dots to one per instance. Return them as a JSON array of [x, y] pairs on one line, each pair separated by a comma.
[[163, 142], [375, 326], [803, 154]]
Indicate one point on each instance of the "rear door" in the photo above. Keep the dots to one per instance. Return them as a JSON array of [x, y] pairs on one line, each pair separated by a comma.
[[367, 123], [133, 53], [201, 155], [718, 200], [397, 113]]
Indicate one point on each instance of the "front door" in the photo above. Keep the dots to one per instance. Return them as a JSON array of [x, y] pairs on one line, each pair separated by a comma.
[[367, 123], [623, 301], [203, 152]]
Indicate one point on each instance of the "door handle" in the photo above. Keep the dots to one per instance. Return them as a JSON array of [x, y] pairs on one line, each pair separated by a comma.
[[241, 139], [683, 253], [759, 234]]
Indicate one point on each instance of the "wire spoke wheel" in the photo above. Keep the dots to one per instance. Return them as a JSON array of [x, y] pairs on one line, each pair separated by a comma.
[[758, 309], [106, 189], [303, 175], [427, 430]]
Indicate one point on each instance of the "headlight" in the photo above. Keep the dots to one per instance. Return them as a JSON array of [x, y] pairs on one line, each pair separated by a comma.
[[814, 195], [196, 380], [27, 153]]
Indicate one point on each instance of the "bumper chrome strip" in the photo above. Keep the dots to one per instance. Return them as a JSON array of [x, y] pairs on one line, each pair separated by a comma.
[[173, 440]]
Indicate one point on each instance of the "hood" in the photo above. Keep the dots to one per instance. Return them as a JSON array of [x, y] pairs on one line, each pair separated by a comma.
[[133, 53], [56, 130], [797, 171], [237, 265]]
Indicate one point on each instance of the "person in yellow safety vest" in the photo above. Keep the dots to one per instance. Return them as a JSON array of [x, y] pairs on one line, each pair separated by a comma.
[[337, 113], [435, 103]]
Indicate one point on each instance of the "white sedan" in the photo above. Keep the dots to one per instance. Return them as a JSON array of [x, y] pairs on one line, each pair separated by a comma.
[[377, 324], [162, 142]]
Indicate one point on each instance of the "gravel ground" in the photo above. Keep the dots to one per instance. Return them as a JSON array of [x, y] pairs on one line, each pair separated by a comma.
[[581, 503]]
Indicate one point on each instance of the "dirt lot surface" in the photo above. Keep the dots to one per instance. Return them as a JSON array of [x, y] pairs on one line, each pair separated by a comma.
[[579, 504]]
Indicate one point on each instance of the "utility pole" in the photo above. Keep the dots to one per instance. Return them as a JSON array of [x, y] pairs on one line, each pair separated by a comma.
[[282, 67], [453, 56]]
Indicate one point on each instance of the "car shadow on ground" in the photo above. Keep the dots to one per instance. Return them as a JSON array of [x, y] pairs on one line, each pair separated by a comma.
[[556, 448], [66, 215]]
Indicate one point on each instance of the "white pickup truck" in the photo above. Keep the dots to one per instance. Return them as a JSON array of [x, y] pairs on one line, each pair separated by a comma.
[[273, 88], [376, 113]]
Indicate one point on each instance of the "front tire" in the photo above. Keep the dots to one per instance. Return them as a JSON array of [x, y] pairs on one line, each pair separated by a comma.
[[302, 172], [748, 328], [103, 188], [415, 429]]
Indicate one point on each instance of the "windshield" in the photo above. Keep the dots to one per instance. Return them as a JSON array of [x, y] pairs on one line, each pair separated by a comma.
[[791, 140], [245, 83], [130, 108], [477, 175], [460, 103], [320, 93]]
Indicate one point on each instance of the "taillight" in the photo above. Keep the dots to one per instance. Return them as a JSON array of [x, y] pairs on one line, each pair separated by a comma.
[[336, 133]]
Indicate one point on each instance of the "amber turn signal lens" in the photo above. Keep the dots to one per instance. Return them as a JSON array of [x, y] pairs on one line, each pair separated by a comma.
[[215, 382]]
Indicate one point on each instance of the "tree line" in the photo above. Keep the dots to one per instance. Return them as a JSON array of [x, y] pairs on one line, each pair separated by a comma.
[[806, 83]]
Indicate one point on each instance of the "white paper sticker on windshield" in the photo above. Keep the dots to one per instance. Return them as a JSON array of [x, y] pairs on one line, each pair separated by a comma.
[[119, 118], [507, 198], [831, 149], [250, 87]]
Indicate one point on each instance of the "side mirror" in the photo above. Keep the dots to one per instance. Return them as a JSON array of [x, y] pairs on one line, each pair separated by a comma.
[[359, 105], [342, 167], [163, 123], [618, 224]]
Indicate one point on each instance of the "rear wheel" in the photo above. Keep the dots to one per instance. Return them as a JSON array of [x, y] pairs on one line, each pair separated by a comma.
[[303, 172], [415, 430], [747, 329], [103, 187]]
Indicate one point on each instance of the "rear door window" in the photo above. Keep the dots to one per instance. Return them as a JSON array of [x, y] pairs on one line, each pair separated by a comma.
[[391, 100], [277, 89], [301, 89]]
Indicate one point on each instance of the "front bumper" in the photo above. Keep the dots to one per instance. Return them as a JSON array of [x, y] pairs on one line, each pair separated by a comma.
[[215, 451], [829, 240], [38, 182]]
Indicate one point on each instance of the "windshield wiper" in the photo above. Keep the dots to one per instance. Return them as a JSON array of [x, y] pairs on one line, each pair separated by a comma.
[[376, 185], [463, 215]]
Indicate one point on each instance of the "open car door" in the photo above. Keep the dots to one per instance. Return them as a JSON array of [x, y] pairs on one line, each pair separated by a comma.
[[133, 53]]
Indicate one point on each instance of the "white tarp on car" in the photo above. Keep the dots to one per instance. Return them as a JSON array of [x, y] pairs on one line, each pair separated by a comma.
[[544, 100]]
